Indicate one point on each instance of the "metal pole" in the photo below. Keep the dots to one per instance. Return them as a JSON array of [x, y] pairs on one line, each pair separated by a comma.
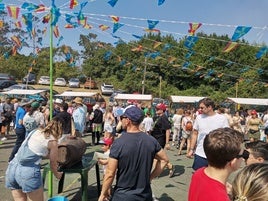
[[50, 175], [144, 76]]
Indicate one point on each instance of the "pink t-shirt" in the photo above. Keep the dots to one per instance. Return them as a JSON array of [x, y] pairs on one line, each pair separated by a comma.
[[204, 188]]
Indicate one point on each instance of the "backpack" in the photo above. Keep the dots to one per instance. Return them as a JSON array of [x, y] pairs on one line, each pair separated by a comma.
[[189, 126], [30, 123]]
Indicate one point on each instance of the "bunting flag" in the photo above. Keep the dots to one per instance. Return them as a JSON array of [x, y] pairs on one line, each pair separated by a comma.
[[68, 26], [220, 75], [166, 47], [13, 11], [160, 2], [190, 41], [27, 19], [152, 23], [46, 19], [152, 30], [137, 49], [41, 8], [193, 28], [33, 33], [82, 21], [2, 6], [60, 39], [239, 32], [29, 6], [17, 41], [107, 55], [112, 2], [117, 26], [56, 31], [171, 59], [104, 27], [14, 51], [189, 54], [55, 13], [261, 52], [88, 26], [73, 3], [18, 24], [30, 69], [114, 18], [156, 44], [230, 46], [1, 24], [44, 31]]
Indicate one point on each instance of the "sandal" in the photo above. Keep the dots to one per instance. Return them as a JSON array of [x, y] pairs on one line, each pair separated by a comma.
[[171, 171]]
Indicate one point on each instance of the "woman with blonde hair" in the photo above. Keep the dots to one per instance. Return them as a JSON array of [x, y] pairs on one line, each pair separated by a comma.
[[251, 183], [23, 175]]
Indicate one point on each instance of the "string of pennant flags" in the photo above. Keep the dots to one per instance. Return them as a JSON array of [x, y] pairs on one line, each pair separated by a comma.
[[73, 15]]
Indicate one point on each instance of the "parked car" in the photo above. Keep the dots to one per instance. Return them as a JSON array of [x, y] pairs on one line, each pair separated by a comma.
[[60, 82], [30, 78], [107, 89], [19, 86], [44, 80], [74, 82], [90, 84], [6, 83], [5, 76]]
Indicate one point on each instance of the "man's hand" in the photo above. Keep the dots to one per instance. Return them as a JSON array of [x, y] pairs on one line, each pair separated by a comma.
[[167, 146]]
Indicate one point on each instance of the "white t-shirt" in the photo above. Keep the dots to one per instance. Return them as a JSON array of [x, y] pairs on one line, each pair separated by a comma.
[[204, 124], [177, 120], [148, 123]]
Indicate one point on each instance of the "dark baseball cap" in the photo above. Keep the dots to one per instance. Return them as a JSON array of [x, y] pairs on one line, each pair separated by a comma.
[[134, 113]]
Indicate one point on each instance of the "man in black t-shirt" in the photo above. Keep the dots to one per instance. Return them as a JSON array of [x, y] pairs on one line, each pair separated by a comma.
[[131, 158], [161, 131], [66, 118]]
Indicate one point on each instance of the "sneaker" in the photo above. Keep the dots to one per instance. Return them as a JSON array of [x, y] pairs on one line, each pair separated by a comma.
[[3, 139], [171, 171]]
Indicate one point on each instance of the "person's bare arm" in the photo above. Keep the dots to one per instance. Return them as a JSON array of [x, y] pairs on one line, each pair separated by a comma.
[[108, 179], [192, 143], [53, 157], [167, 146], [162, 161]]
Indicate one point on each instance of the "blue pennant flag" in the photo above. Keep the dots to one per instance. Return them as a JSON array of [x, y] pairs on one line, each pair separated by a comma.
[[190, 41], [262, 52], [239, 32], [117, 26], [160, 2], [112, 2], [152, 23]]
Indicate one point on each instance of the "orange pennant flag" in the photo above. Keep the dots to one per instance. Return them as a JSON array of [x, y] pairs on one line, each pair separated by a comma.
[[230, 46], [103, 27], [56, 31], [171, 59], [115, 19], [1, 24], [156, 44], [137, 49]]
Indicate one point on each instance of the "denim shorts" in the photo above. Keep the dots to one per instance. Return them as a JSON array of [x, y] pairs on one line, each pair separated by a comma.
[[199, 162], [25, 178]]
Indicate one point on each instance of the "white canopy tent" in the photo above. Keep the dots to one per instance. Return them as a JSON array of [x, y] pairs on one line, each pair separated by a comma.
[[185, 99], [76, 94], [140, 97], [22, 92], [250, 101]]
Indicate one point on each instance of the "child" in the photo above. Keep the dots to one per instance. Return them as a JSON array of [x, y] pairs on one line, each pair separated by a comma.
[[106, 145]]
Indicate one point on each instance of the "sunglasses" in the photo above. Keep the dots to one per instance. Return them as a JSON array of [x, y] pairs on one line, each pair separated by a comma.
[[123, 117], [244, 155]]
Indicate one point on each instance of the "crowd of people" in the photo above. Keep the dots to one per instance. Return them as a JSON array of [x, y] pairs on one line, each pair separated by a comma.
[[135, 140]]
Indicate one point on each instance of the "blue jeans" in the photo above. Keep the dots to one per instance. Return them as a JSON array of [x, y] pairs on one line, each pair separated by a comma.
[[26, 178], [20, 132]]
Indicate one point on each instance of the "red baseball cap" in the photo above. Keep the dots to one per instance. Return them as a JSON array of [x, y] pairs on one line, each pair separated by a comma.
[[161, 106]]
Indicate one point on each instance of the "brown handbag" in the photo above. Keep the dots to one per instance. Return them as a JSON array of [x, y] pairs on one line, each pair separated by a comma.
[[71, 150]]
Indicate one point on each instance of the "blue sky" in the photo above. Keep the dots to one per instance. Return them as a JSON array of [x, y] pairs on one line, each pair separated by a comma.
[[220, 17]]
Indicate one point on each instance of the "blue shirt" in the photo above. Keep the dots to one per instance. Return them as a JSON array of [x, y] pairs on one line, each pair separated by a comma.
[[19, 116]]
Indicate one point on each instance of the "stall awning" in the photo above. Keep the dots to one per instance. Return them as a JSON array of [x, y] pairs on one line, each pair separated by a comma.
[[77, 94], [22, 92], [185, 99], [141, 97], [250, 101]]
